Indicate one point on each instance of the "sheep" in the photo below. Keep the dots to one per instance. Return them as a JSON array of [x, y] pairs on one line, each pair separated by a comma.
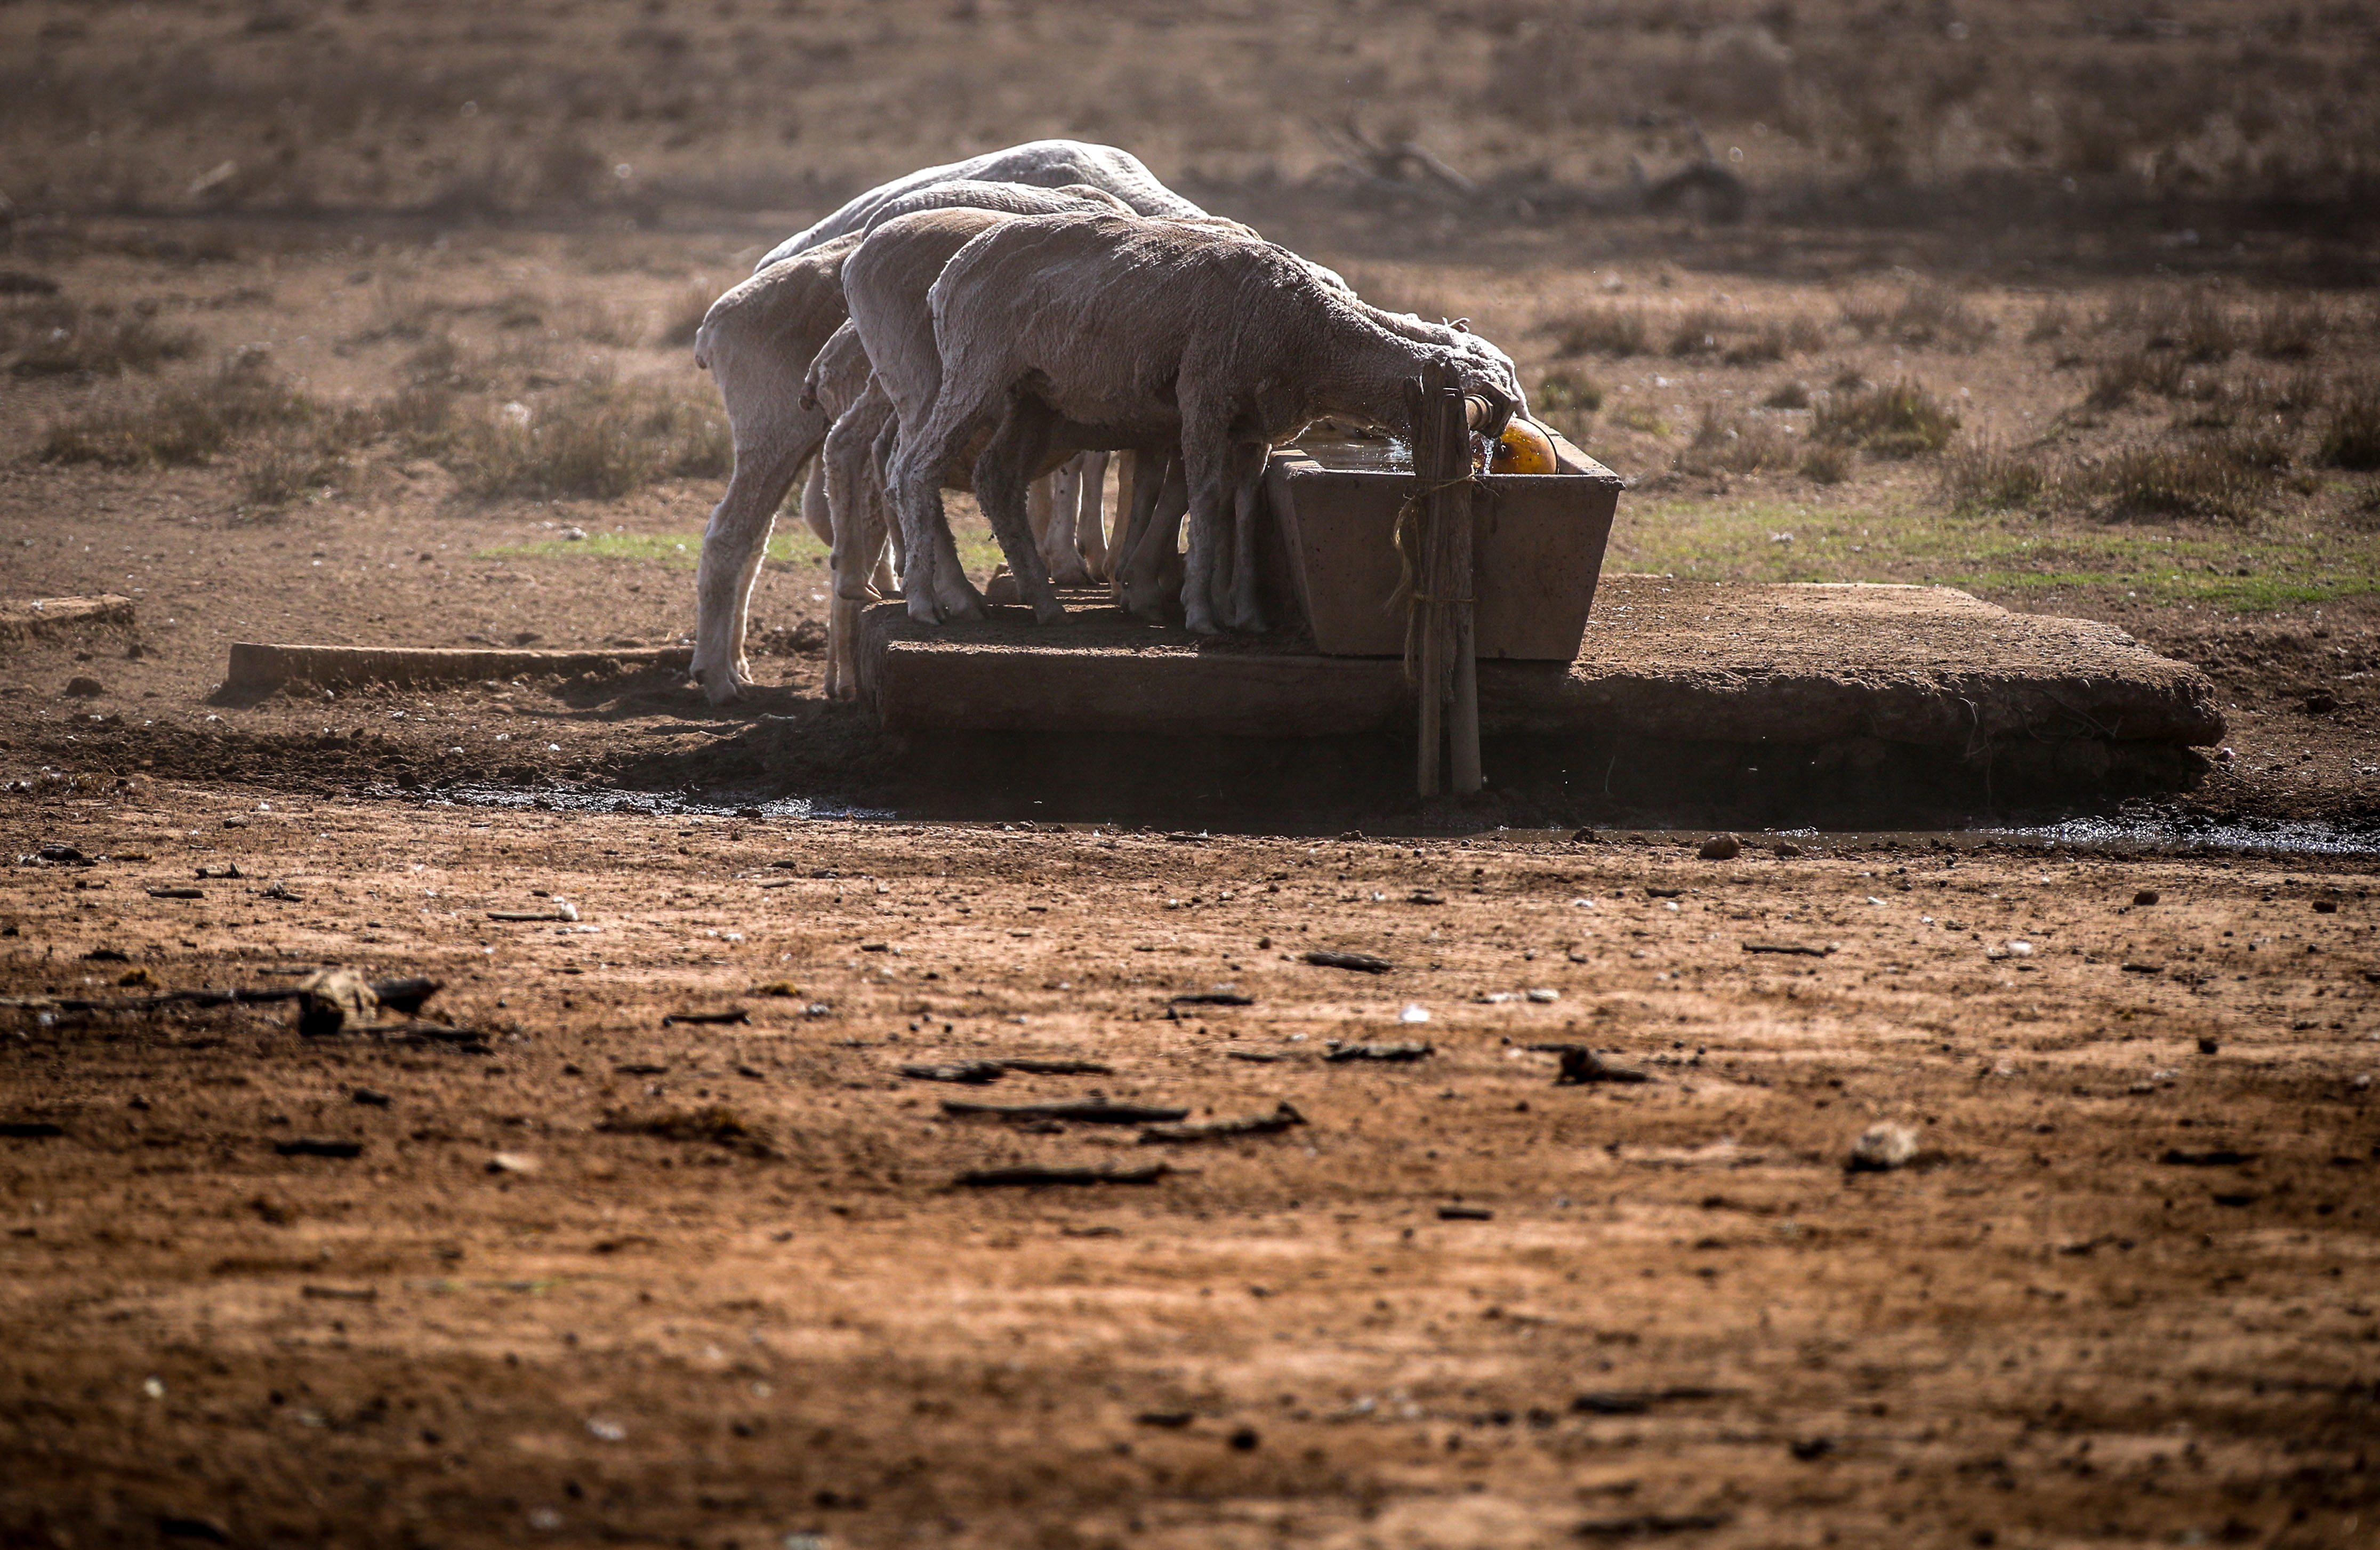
[[1145, 570], [1041, 164], [756, 340], [1062, 332]]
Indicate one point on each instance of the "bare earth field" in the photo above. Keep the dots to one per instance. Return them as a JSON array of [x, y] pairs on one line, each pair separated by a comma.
[[601, 1279], [370, 326]]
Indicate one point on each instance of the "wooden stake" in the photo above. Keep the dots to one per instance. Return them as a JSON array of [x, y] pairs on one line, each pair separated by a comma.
[[1449, 683]]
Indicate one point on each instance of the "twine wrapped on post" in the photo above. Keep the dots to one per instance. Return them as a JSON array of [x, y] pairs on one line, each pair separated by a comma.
[[1434, 535]]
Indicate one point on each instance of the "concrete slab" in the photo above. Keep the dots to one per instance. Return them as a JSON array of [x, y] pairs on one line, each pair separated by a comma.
[[258, 668], [1663, 660], [32, 618]]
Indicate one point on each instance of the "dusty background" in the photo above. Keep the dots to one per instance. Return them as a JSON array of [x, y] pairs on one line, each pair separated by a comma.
[[335, 325]]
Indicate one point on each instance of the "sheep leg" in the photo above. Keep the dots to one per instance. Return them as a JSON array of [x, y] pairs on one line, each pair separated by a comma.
[[1137, 484], [816, 509], [946, 579], [935, 585], [1002, 477], [1090, 525], [1147, 578], [774, 440], [1060, 542], [1244, 612], [1210, 492]]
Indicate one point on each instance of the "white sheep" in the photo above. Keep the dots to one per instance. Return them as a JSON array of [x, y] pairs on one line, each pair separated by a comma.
[[757, 341], [1041, 164], [1058, 334]]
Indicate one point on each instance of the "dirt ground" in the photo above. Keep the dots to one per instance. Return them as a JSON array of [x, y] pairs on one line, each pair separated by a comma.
[[368, 326], [602, 1278]]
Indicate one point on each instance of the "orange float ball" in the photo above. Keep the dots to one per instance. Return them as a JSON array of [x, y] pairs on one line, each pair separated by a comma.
[[1524, 448]]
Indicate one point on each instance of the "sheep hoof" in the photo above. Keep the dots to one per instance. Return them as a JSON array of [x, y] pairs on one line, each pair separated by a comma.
[[1049, 614]]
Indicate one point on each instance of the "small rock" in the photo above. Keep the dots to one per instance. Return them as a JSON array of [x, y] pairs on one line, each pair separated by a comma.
[[2208, 1044], [2322, 702], [1720, 847], [1881, 1148], [307, 1146], [1586, 837], [1810, 1450], [2145, 897], [1581, 1065], [371, 1098], [186, 1526], [1244, 1439], [1787, 848], [331, 1000], [512, 1162], [1545, 995], [83, 686], [1465, 1214]]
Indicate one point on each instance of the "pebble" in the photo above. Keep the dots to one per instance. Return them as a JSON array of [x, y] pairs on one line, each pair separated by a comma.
[[1884, 1147], [1720, 847], [512, 1162], [83, 686], [2145, 897]]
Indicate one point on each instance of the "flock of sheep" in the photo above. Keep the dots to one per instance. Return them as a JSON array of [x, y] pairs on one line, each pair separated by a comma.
[[1002, 325]]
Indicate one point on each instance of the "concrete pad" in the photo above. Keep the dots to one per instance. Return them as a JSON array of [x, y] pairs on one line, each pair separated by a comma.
[[30, 617], [1667, 660], [256, 667]]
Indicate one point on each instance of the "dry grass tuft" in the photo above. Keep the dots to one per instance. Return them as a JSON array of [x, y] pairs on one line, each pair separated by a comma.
[[186, 423], [1601, 330], [2352, 438], [1925, 314], [48, 336], [1826, 464], [2291, 328], [1987, 476], [1734, 444], [684, 319], [1737, 341], [1789, 396], [2190, 323], [596, 437], [1567, 402], [1898, 419], [2209, 480], [2116, 379], [2053, 320]]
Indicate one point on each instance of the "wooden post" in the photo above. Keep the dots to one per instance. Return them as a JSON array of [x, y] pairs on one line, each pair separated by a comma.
[[1449, 684], [1422, 398]]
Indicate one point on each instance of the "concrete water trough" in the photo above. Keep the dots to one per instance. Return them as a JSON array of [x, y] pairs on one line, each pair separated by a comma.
[[1780, 699]]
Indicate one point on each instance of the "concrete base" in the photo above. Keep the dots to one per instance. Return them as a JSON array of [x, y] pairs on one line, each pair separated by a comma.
[[1663, 660], [33, 618]]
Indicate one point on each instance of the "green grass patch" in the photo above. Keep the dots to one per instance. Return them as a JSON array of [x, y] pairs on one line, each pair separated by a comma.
[[1901, 541], [791, 542]]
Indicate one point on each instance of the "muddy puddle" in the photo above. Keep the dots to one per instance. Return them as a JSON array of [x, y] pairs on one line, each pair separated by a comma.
[[2157, 835]]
